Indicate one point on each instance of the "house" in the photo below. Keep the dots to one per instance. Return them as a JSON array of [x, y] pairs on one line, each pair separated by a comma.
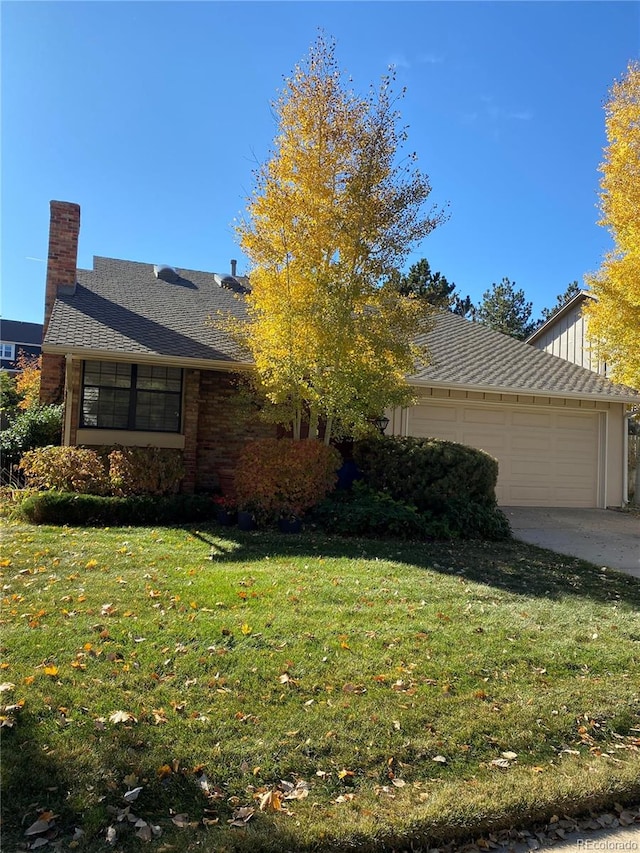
[[130, 349], [565, 334], [16, 338]]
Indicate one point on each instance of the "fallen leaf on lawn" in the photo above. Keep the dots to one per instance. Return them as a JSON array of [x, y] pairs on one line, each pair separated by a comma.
[[399, 783], [39, 842], [210, 821], [344, 774], [107, 610], [241, 816], [246, 629], [122, 717], [354, 688], [6, 686], [144, 830], [271, 801], [500, 762], [37, 827], [131, 780], [344, 798], [440, 759], [295, 792], [509, 755], [111, 835], [538, 769], [180, 820], [51, 670], [132, 795]]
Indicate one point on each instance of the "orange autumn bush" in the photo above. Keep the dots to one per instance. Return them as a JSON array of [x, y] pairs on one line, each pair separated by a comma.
[[65, 469], [278, 478]]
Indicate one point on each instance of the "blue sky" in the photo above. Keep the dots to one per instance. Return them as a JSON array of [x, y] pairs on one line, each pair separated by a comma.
[[152, 115]]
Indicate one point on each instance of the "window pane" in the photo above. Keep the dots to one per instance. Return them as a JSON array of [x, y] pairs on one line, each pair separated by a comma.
[[152, 378], [109, 374], [155, 411]]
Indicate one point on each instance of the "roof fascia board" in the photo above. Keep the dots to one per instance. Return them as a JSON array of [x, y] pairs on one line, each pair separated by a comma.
[[528, 392], [148, 358], [579, 297]]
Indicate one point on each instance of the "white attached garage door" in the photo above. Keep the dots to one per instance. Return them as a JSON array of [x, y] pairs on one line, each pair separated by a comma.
[[546, 457]]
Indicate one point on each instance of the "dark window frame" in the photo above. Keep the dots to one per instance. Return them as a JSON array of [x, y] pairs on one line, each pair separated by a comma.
[[133, 391]]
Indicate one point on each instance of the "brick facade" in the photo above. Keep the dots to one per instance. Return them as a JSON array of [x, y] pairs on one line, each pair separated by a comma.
[[52, 379], [225, 422]]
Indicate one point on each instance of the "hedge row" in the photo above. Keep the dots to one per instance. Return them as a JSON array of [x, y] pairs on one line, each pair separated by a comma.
[[366, 512], [96, 510]]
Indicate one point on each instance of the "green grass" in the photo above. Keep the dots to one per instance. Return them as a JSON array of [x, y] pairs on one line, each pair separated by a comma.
[[245, 660]]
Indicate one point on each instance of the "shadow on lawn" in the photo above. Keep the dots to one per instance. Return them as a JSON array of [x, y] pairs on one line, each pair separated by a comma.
[[512, 566]]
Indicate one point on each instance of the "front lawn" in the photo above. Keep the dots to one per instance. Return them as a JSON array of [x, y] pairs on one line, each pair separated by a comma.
[[261, 692]]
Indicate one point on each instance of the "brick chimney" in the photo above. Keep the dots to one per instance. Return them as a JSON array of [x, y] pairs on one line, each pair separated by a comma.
[[62, 260]]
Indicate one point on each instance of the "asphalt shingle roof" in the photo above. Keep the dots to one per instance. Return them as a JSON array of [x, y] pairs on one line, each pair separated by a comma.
[[465, 353], [20, 332], [120, 306]]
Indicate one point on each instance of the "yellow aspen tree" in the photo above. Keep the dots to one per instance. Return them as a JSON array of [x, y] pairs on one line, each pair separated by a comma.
[[333, 211], [28, 380], [614, 319]]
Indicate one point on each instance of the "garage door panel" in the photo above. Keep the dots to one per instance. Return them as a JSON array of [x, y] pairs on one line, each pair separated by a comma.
[[484, 416], [533, 442], [583, 423], [531, 419], [545, 458]]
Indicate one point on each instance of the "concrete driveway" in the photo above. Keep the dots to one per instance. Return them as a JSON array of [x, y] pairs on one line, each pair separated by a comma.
[[604, 537]]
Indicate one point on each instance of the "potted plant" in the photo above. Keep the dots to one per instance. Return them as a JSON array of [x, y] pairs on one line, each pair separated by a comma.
[[226, 510], [290, 523], [246, 519]]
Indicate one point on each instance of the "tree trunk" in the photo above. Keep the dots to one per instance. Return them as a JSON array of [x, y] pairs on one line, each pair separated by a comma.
[[327, 430], [313, 424]]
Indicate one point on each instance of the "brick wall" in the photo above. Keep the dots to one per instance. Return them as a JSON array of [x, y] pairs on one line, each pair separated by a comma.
[[52, 379], [224, 424]]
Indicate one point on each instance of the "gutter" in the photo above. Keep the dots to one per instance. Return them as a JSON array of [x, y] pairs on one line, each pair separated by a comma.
[[633, 398], [149, 358]]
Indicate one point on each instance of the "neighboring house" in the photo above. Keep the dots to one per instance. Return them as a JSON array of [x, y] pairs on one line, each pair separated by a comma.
[[565, 334], [130, 349], [17, 337]]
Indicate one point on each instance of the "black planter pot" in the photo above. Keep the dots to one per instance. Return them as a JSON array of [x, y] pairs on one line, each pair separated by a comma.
[[246, 521], [290, 525], [226, 518]]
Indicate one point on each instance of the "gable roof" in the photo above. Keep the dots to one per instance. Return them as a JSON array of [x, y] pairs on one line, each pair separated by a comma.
[[568, 306], [473, 356], [121, 309]]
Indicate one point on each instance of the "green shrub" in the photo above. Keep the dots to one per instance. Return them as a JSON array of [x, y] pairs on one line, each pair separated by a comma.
[[38, 426], [68, 469], [145, 470], [427, 472], [365, 512], [141, 510], [280, 477], [472, 520]]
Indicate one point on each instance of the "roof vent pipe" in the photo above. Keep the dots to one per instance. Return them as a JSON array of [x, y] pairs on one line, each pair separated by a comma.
[[233, 267]]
